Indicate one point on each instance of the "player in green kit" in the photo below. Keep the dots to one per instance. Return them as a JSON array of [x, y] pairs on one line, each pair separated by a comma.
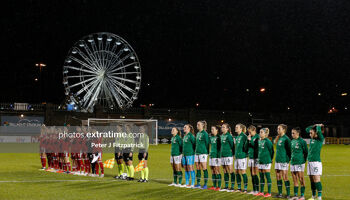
[[201, 154], [214, 158], [253, 151], [176, 156], [297, 165], [227, 151], [188, 148], [241, 153], [314, 165], [283, 154], [265, 157]]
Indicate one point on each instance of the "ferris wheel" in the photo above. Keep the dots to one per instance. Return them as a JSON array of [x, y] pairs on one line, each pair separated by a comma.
[[101, 68]]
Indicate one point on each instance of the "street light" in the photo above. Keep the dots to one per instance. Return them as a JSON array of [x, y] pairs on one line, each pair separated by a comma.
[[40, 65]]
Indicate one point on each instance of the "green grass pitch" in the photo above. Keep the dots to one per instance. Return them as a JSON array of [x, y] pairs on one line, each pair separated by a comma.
[[21, 179]]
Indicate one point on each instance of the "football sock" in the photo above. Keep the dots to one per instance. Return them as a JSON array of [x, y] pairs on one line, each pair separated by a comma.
[[268, 179]]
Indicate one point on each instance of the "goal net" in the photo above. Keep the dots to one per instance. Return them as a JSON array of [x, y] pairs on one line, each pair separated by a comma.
[[129, 126]]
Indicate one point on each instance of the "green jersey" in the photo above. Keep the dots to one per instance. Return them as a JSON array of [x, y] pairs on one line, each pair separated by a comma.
[[241, 146], [189, 144], [202, 142], [227, 145], [315, 145], [266, 151], [299, 151], [215, 146], [253, 147], [283, 149], [176, 145], [233, 138]]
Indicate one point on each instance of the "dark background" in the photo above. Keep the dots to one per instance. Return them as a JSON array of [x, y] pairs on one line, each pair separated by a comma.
[[206, 52]]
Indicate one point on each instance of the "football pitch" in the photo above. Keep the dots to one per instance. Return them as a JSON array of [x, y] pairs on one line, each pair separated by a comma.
[[21, 179]]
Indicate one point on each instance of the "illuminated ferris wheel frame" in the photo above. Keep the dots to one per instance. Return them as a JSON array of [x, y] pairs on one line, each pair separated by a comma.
[[101, 68]]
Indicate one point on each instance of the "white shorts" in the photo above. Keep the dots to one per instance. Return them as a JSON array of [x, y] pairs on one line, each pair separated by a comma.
[[226, 161], [215, 162], [281, 166], [264, 166], [297, 168], [253, 162], [201, 158], [314, 168], [176, 159], [241, 163]]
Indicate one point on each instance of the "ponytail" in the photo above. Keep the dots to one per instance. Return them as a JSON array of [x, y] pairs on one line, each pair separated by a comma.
[[267, 131], [204, 124], [243, 127], [276, 139], [178, 131], [191, 128], [229, 127], [252, 128], [284, 127]]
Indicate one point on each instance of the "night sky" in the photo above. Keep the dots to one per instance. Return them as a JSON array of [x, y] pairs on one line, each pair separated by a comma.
[[206, 52]]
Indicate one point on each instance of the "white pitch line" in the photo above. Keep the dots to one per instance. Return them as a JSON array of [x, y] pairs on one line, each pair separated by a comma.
[[337, 175], [108, 180], [38, 181], [34, 181]]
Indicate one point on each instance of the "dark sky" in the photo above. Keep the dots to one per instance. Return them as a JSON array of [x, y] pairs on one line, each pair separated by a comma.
[[191, 51]]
